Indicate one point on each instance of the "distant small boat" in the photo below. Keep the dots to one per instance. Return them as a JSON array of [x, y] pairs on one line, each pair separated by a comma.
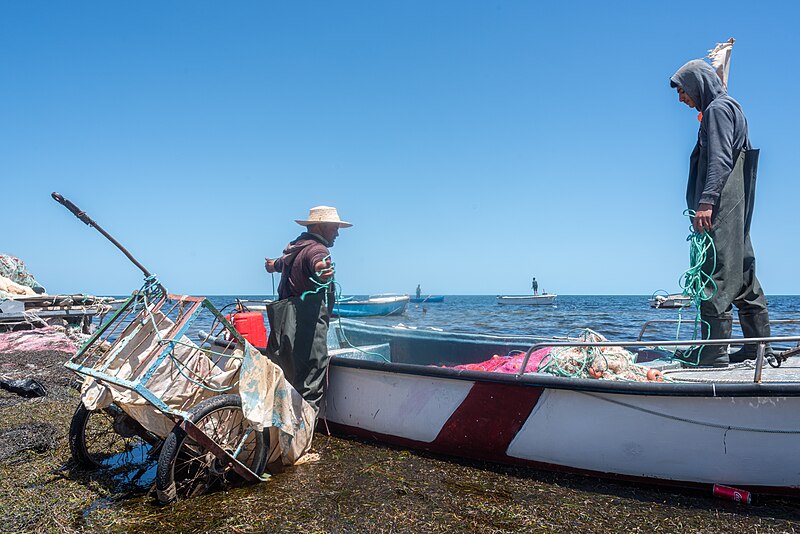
[[675, 300], [378, 305], [531, 300], [428, 298]]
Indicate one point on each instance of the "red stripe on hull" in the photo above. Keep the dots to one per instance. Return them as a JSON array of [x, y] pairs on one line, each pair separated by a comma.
[[487, 420]]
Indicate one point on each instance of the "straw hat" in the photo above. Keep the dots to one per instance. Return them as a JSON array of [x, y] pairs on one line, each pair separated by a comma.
[[324, 215]]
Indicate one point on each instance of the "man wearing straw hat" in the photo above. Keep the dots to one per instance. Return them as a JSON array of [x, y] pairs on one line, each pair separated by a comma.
[[299, 319]]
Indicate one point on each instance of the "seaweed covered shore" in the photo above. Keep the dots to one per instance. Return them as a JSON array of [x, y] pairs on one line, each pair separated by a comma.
[[352, 487]]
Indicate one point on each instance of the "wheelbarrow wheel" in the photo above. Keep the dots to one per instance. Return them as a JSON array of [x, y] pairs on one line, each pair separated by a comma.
[[186, 468], [108, 438]]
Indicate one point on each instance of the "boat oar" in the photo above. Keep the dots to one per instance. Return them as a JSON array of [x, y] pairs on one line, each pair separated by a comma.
[[80, 214]]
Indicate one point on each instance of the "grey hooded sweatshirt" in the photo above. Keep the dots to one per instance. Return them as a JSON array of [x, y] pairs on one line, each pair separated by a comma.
[[723, 129]]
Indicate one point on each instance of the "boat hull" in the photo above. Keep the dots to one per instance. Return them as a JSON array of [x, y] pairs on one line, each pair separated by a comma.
[[679, 439], [380, 306], [429, 298], [670, 301], [530, 300]]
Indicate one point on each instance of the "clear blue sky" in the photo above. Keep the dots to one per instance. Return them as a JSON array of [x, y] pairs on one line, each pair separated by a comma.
[[472, 144]]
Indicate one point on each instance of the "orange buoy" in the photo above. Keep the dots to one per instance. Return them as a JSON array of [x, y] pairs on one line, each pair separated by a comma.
[[595, 373], [654, 375]]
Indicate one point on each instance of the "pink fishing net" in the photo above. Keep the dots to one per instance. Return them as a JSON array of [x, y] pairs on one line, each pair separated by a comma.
[[40, 339], [508, 364]]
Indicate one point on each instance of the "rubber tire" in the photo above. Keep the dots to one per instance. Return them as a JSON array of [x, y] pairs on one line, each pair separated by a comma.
[[77, 437], [165, 473]]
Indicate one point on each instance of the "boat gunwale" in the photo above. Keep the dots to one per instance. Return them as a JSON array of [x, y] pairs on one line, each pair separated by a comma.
[[666, 389]]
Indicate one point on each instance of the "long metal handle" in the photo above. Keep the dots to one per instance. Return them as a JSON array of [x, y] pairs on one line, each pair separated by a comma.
[[80, 214]]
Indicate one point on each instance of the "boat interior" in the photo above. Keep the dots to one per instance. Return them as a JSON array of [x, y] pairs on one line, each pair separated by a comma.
[[357, 340]]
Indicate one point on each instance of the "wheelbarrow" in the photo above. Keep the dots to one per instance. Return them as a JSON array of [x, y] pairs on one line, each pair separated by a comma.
[[149, 390]]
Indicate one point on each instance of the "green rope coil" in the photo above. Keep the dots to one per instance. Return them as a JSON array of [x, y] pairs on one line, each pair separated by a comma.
[[697, 285]]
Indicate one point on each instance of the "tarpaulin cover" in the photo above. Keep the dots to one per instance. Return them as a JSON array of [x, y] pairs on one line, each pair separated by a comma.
[[270, 402], [181, 381]]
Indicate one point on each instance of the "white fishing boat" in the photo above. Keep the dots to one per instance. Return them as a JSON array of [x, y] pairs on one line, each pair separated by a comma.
[[703, 427], [531, 300], [662, 299]]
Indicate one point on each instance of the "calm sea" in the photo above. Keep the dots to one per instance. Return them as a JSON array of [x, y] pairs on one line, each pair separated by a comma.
[[614, 316]]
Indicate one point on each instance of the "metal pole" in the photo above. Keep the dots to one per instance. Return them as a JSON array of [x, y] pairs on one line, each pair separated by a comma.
[[80, 214], [760, 348]]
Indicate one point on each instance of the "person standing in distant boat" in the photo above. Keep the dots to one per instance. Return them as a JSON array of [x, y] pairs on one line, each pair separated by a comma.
[[721, 191], [299, 319], [535, 286], [419, 291]]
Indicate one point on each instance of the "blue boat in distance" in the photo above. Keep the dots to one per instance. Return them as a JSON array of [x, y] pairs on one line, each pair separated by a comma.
[[428, 298], [378, 305]]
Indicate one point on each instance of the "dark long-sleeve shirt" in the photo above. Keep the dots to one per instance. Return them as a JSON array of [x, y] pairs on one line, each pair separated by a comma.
[[723, 129], [297, 265]]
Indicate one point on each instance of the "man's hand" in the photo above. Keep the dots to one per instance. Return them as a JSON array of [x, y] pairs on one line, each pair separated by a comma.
[[702, 218], [324, 270], [269, 265]]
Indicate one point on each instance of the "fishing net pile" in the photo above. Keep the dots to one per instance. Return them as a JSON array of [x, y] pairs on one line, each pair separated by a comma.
[[605, 363], [49, 338], [15, 279]]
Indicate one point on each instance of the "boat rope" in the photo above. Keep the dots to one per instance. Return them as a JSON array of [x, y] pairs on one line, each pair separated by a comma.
[[615, 363], [321, 285], [337, 296], [690, 421], [698, 286]]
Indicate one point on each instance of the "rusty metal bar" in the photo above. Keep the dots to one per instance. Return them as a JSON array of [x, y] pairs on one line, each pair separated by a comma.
[[760, 348]]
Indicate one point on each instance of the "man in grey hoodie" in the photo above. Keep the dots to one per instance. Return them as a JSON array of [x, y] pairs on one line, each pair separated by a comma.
[[721, 190]]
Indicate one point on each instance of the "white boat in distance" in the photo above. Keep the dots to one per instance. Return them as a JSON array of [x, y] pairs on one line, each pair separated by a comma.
[[665, 300], [534, 300]]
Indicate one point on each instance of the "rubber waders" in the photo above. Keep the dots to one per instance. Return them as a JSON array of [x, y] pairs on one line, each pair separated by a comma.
[[717, 328], [753, 325]]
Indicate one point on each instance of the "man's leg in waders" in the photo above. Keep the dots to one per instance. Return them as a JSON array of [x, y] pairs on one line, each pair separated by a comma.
[[725, 266], [752, 308]]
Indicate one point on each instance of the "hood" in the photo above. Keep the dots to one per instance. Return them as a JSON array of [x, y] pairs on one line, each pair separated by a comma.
[[699, 80]]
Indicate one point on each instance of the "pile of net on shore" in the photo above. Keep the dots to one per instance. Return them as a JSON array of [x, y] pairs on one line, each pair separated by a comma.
[[48, 338], [605, 363], [15, 280]]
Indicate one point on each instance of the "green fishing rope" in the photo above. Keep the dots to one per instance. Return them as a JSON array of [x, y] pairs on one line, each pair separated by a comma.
[[337, 292], [321, 285], [697, 284]]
